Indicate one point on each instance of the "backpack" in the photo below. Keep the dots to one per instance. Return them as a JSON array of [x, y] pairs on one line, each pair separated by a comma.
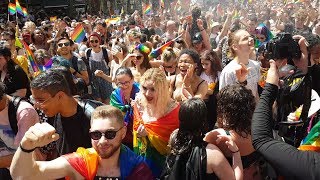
[[12, 112], [188, 166], [86, 60], [295, 91]]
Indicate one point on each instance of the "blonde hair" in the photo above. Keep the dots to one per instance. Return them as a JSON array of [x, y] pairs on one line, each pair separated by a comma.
[[161, 86], [107, 111], [168, 54]]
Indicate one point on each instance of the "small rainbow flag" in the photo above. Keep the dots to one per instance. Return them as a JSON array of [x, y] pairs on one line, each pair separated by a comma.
[[157, 52], [18, 7], [47, 66], [11, 8], [147, 9], [25, 12], [78, 34], [30, 57]]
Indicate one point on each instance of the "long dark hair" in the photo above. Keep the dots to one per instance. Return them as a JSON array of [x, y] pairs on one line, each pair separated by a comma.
[[193, 120]]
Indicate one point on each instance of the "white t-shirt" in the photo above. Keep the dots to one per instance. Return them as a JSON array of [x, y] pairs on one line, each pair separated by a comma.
[[228, 76]]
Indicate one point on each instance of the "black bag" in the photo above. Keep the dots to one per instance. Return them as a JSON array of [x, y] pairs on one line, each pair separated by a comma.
[[12, 110], [188, 166]]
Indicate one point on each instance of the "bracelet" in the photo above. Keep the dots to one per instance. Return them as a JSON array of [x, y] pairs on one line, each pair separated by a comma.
[[26, 150], [235, 151]]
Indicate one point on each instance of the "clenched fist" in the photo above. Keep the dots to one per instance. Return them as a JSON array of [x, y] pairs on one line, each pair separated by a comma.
[[39, 135]]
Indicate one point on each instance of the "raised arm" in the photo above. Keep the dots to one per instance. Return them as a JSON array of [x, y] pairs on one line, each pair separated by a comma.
[[23, 164], [286, 159]]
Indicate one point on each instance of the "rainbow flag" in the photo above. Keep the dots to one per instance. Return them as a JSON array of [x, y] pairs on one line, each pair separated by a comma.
[[25, 12], [30, 57], [147, 9], [162, 3], [18, 7], [47, 66], [11, 8], [157, 52], [78, 34]]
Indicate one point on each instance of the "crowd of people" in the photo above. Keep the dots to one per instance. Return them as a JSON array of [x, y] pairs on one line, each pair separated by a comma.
[[225, 90]]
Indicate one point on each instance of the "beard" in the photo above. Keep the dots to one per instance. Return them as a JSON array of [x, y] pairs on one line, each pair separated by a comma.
[[105, 154]]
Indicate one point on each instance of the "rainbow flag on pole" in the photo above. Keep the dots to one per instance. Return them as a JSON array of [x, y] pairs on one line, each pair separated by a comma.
[[25, 12], [78, 34], [147, 9], [11, 8], [157, 52], [31, 58], [18, 7]]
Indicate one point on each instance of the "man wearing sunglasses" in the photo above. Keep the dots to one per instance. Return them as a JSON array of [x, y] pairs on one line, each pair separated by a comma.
[[67, 58], [107, 159]]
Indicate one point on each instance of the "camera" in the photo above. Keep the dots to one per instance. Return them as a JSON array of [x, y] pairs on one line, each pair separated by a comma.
[[283, 46]]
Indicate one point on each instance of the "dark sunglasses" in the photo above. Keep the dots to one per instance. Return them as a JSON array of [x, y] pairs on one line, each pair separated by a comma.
[[109, 134], [65, 44], [94, 41], [169, 67], [138, 57]]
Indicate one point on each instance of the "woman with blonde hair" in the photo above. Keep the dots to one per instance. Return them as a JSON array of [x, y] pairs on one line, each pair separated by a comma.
[[155, 117]]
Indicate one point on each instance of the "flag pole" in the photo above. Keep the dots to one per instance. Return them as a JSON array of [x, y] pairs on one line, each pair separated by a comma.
[[8, 12]]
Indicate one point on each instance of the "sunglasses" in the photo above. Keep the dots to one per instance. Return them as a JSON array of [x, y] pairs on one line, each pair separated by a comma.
[[109, 134], [169, 67], [94, 41], [65, 44], [138, 57]]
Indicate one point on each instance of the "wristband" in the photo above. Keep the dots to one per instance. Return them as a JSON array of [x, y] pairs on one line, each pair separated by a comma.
[[235, 151], [26, 150]]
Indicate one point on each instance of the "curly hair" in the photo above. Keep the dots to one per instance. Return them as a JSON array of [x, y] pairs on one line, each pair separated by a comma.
[[235, 109], [214, 59]]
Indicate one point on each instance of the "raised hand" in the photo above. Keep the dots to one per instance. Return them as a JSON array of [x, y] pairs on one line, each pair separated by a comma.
[[273, 74], [99, 73], [241, 72], [142, 132], [39, 135]]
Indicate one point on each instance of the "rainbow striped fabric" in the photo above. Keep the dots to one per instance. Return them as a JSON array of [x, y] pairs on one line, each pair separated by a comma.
[[31, 58], [25, 12], [18, 7], [147, 9], [11, 8], [78, 34]]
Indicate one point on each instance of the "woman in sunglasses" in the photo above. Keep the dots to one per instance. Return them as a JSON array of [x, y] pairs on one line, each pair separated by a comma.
[[122, 96], [140, 61], [101, 89], [155, 116]]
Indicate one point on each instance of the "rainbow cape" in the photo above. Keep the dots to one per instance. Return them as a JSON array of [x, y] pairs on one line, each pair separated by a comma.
[[312, 141], [18, 7], [78, 34], [30, 57], [85, 161], [147, 9], [11, 8], [117, 100], [25, 12], [154, 146]]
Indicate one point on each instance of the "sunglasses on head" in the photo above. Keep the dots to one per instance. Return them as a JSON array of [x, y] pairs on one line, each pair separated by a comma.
[[65, 44], [94, 41], [108, 134]]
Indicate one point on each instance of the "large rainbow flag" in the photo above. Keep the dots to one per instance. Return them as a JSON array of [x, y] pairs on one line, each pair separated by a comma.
[[78, 34], [18, 7], [11, 8]]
